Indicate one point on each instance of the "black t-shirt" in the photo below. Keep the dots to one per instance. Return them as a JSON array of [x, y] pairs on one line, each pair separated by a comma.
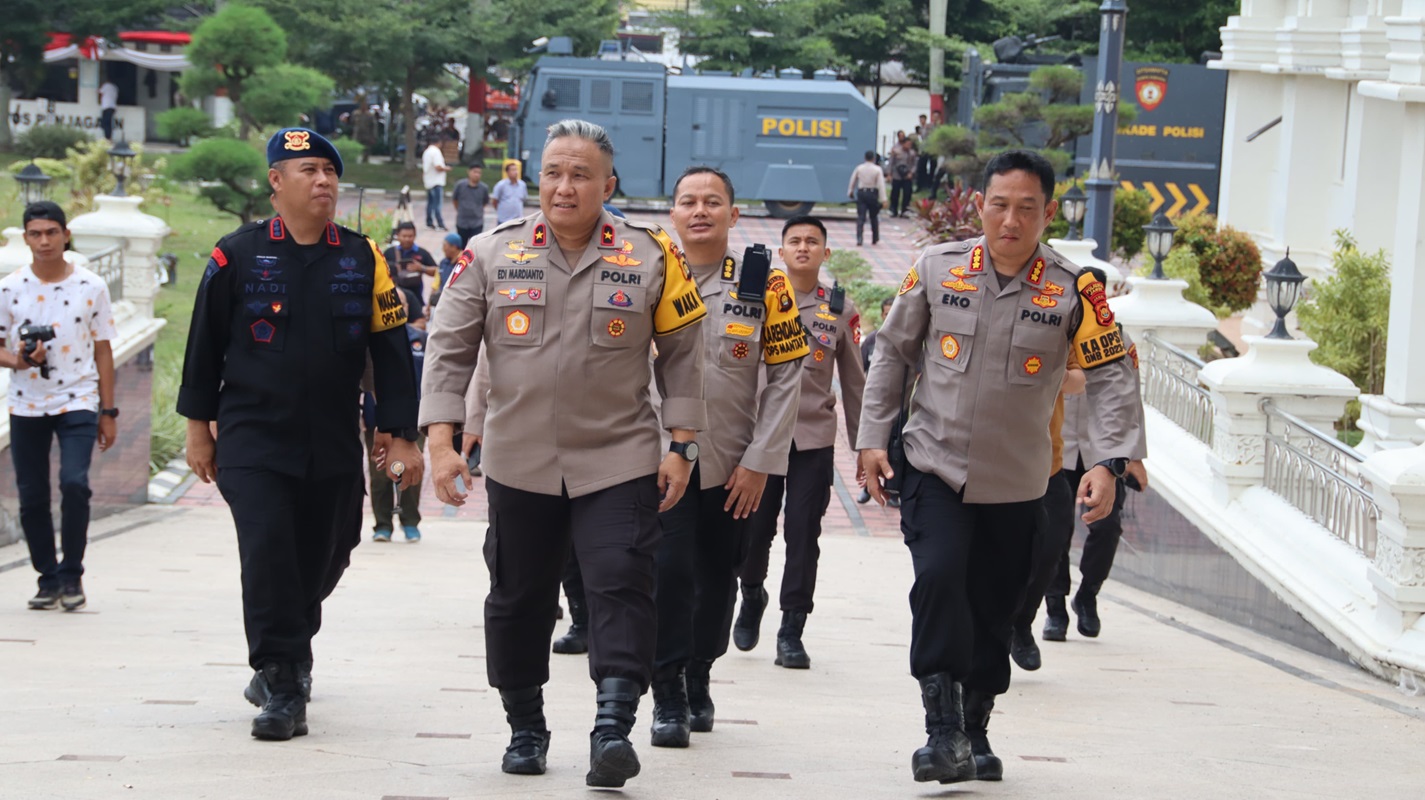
[[398, 260]]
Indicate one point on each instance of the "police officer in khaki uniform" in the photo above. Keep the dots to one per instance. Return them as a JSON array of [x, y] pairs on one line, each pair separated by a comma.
[[1101, 543], [750, 331], [567, 303], [835, 327], [997, 320]]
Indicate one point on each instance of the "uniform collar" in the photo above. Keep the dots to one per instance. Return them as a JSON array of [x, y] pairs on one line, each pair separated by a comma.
[[821, 294], [277, 232]]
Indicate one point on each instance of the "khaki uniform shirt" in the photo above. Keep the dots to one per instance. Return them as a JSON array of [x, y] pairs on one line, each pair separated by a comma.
[[835, 339], [1077, 421], [994, 362], [742, 338], [868, 176], [568, 349]]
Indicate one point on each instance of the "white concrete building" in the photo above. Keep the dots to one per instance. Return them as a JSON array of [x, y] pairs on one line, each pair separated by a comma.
[[1346, 79]]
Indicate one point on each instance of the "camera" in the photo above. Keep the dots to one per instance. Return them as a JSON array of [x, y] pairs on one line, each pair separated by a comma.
[[32, 335]]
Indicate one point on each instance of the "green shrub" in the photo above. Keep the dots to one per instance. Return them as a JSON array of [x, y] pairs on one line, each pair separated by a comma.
[[351, 151], [1228, 260], [236, 172], [847, 266], [49, 141], [183, 124], [868, 296], [1348, 315], [1181, 264], [1130, 214]]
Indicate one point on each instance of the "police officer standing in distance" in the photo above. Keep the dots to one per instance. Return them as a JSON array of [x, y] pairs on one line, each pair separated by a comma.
[[751, 330], [997, 320], [567, 303], [287, 311], [835, 329]]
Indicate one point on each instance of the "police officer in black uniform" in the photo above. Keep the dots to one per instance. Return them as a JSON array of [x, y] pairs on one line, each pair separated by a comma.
[[286, 312]]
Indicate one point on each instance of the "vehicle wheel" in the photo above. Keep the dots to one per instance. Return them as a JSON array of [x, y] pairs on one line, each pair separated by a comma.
[[786, 209]]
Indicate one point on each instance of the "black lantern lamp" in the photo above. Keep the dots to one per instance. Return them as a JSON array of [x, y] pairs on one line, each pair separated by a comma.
[[1160, 240], [120, 156], [33, 183], [1283, 290], [1074, 203]]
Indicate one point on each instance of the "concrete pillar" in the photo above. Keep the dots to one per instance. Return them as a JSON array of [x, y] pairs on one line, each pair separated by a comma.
[[1281, 370], [1363, 41], [1308, 165], [1364, 200], [119, 221], [1309, 38], [1159, 306], [1397, 480], [1249, 39], [1246, 197], [1388, 419]]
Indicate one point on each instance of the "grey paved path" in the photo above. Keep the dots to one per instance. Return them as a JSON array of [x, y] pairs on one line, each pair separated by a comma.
[[139, 696]]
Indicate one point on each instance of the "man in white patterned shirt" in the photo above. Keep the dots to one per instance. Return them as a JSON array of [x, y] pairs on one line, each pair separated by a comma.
[[62, 389]]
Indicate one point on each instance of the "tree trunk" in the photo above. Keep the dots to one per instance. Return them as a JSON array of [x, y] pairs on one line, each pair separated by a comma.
[[408, 112]]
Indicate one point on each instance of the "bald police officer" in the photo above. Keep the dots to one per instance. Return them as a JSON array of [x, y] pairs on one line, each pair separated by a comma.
[[835, 328], [996, 320], [567, 303], [287, 311], [751, 332]]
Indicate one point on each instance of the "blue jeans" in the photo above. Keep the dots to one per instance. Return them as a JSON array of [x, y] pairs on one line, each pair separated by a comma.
[[435, 196], [29, 450]]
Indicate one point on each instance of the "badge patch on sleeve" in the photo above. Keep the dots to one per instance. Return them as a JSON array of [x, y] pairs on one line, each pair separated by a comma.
[[911, 279], [784, 338], [1097, 341], [386, 309], [680, 303]]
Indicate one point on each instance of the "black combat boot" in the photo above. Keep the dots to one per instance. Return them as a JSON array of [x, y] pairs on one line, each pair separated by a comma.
[[978, 706], [611, 758], [257, 692], [284, 712], [670, 708], [1023, 649], [700, 704], [790, 652], [1085, 607], [577, 639], [946, 756], [748, 627], [1056, 618], [529, 736]]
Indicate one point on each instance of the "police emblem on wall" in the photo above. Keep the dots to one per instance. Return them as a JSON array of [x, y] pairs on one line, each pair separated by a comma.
[[1151, 86]]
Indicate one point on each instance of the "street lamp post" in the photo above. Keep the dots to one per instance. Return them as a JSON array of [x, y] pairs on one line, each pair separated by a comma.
[[1160, 240], [120, 156], [33, 183], [1073, 204], [1107, 87], [1283, 290]]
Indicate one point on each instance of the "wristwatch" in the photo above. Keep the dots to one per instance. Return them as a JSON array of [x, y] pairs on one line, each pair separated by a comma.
[[688, 450], [1116, 466], [109, 412], [409, 434]]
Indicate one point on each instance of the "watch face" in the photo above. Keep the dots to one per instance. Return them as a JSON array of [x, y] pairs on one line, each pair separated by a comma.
[[691, 451]]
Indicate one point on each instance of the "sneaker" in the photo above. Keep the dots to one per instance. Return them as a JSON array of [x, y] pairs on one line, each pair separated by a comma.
[[71, 596], [381, 535], [413, 534], [45, 600]]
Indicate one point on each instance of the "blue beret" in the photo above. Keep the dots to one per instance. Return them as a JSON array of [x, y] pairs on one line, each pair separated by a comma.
[[301, 143], [454, 239]]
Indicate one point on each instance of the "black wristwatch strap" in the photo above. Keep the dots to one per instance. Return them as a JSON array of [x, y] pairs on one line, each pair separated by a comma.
[[1116, 466]]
